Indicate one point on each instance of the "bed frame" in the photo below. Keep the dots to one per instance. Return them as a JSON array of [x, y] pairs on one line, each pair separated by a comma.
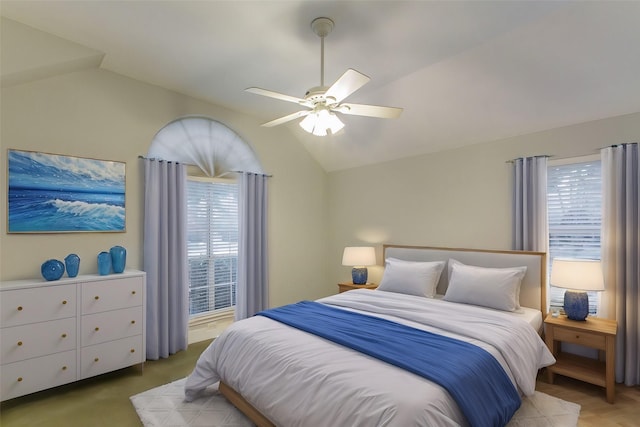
[[532, 291]]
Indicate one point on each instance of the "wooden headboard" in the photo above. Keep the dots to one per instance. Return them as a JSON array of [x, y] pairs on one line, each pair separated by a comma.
[[533, 291]]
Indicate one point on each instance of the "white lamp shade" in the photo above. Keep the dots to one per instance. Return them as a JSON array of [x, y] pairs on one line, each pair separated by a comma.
[[578, 274], [359, 256]]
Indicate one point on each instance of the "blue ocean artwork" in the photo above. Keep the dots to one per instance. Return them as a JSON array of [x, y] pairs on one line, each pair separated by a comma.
[[56, 193]]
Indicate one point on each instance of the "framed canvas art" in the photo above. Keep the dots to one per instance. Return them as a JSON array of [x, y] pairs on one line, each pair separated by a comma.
[[53, 193]]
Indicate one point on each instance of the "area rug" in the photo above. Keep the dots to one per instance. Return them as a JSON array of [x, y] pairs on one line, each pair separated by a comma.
[[164, 406]]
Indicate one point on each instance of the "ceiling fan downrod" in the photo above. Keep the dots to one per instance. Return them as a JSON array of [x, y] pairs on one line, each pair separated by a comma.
[[322, 26]]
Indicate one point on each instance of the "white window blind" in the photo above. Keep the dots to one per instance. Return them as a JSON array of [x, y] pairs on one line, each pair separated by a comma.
[[212, 245], [574, 198]]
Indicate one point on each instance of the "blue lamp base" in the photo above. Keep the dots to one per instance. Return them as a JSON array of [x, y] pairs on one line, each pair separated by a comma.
[[576, 305], [359, 275]]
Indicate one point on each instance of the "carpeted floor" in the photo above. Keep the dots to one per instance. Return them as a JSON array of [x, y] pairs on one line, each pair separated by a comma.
[[164, 406]]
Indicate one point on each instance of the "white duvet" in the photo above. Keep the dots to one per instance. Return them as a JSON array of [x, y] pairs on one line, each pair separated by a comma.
[[297, 379]]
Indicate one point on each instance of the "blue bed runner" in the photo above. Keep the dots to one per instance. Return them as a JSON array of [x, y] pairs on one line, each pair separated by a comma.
[[471, 375]]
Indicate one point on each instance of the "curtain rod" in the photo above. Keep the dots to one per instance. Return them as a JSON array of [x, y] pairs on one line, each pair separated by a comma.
[[618, 145], [569, 157], [252, 173], [519, 158], [157, 159], [219, 176]]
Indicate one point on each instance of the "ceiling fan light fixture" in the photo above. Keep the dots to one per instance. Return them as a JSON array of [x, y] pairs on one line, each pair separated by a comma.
[[321, 123]]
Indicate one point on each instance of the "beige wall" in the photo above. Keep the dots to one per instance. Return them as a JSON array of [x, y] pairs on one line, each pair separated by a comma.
[[457, 198], [98, 114]]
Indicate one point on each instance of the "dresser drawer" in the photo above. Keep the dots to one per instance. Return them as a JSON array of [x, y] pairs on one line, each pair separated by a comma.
[[587, 339], [37, 374], [101, 358], [23, 306], [37, 339], [112, 294], [111, 325]]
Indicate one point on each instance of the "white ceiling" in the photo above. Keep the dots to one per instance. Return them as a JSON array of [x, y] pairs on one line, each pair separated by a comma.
[[465, 72]]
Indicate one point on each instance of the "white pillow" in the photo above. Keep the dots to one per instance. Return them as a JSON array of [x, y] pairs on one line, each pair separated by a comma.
[[453, 262], [410, 277], [497, 288]]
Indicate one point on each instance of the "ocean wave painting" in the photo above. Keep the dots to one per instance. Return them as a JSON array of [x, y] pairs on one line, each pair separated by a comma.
[[50, 193]]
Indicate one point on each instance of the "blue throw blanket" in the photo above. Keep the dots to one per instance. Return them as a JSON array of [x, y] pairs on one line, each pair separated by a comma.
[[470, 374]]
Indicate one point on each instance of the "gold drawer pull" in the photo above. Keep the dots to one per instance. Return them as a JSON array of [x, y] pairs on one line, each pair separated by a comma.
[[96, 359], [19, 343], [19, 308], [96, 298], [133, 322], [133, 292], [133, 350], [64, 335], [19, 379], [64, 368], [64, 302], [97, 329]]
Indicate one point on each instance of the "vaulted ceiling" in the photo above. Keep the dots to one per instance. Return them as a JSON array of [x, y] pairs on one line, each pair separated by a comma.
[[465, 72]]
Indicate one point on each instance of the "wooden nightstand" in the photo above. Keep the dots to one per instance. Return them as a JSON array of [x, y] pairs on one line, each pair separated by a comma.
[[347, 286], [595, 333]]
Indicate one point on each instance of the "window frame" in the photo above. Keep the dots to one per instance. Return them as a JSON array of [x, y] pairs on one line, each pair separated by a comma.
[[225, 313], [556, 293]]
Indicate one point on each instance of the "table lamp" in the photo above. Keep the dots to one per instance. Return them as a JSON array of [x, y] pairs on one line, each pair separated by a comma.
[[359, 257], [577, 276]]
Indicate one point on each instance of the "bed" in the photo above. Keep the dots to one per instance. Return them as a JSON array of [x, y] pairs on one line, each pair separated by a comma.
[[278, 370]]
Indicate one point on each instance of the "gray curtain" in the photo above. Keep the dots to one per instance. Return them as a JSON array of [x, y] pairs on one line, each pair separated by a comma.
[[530, 225], [165, 258], [253, 280], [621, 254]]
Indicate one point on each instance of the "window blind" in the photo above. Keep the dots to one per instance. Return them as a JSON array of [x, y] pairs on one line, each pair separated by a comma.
[[574, 205], [212, 245]]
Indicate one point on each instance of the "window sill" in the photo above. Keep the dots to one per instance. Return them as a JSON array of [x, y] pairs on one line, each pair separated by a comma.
[[209, 326]]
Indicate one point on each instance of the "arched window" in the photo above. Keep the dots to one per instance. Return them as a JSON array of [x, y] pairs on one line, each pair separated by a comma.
[[212, 206], [206, 143]]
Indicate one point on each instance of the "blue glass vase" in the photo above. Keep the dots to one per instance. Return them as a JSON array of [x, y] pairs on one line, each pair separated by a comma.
[[104, 263], [52, 269], [118, 258], [72, 264]]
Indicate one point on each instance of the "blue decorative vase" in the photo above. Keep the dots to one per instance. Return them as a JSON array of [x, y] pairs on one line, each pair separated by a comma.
[[52, 269], [104, 263], [359, 275], [576, 305], [72, 264], [118, 258]]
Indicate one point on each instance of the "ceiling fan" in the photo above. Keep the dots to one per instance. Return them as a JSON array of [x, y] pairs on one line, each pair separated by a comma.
[[323, 102]]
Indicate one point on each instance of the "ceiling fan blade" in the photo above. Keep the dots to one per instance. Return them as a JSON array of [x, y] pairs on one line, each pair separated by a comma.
[[370, 111], [287, 118], [276, 95], [348, 83]]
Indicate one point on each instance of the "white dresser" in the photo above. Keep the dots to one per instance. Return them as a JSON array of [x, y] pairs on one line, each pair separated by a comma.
[[54, 333]]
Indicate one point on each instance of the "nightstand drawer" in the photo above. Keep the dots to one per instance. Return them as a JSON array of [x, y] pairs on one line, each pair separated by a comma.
[[587, 339]]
